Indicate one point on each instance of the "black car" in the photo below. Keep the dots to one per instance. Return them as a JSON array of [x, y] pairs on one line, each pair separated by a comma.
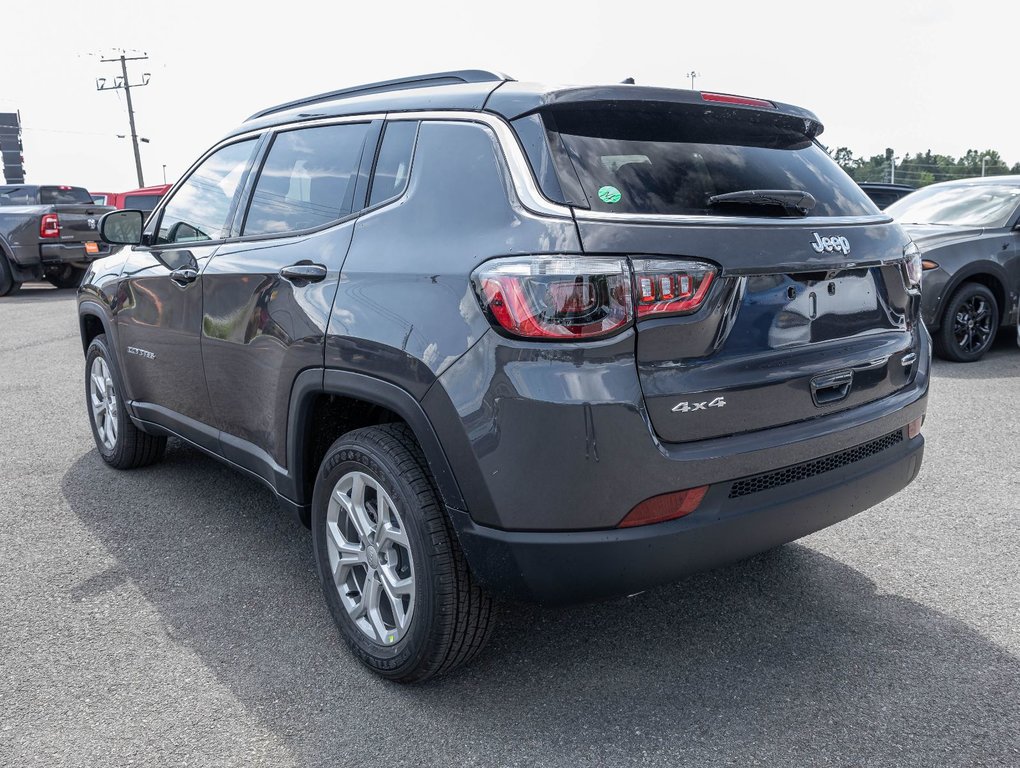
[[883, 195], [497, 338], [968, 236]]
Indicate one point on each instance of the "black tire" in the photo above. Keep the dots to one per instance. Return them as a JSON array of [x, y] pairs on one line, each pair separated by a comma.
[[969, 324], [452, 617], [67, 277], [130, 448], [8, 285]]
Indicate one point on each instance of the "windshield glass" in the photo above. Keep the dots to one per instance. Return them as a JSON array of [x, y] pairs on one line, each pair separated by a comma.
[[959, 205], [664, 160]]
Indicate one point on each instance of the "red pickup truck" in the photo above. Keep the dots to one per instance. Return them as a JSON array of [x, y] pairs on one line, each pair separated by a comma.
[[143, 199]]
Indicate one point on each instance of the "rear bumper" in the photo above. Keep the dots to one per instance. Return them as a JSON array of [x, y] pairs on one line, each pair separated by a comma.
[[70, 253], [558, 567]]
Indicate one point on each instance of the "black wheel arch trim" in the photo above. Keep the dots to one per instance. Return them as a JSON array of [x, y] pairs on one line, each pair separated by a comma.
[[967, 274], [311, 383], [98, 311]]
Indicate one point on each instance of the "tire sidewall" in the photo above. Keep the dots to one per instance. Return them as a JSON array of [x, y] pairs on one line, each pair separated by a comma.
[[98, 348], [961, 295], [8, 284], [347, 456]]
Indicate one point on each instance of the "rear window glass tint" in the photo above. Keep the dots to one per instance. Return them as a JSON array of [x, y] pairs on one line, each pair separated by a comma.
[[64, 196], [308, 179], [141, 202], [393, 168], [671, 161]]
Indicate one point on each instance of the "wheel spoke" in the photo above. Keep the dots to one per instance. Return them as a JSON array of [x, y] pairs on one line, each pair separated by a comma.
[[349, 553], [389, 535]]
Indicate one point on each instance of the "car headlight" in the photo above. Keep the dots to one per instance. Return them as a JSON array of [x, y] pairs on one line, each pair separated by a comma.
[[912, 267]]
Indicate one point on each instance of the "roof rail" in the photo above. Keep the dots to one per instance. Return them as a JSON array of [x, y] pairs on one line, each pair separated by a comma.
[[418, 81]]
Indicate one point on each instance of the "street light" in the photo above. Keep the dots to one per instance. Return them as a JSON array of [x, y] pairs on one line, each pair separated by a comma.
[[692, 74], [984, 160]]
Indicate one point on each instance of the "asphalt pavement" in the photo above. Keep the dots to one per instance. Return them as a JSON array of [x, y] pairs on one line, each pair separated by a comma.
[[172, 616]]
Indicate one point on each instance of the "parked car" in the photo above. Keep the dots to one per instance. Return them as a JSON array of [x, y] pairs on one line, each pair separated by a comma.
[[497, 338], [103, 198], [883, 195], [968, 235], [47, 233]]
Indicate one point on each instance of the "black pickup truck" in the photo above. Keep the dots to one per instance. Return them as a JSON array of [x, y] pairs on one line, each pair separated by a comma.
[[47, 233]]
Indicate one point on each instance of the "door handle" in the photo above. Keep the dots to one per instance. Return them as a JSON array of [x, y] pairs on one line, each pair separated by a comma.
[[303, 273], [184, 276]]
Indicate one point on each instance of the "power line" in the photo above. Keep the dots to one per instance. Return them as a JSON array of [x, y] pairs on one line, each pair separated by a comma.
[[125, 84]]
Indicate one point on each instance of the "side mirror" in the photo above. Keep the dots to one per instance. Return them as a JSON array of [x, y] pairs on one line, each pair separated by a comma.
[[122, 227]]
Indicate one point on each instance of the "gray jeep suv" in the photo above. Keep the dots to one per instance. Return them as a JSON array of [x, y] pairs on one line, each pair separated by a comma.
[[492, 338]]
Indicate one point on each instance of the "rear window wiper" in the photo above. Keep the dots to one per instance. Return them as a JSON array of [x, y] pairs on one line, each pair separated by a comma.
[[791, 199]]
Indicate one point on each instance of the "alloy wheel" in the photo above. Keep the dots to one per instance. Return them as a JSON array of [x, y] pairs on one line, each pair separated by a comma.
[[972, 325], [370, 558], [103, 399]]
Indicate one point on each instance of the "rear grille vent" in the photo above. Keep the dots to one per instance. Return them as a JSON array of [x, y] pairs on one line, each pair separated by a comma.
[[769, 480]]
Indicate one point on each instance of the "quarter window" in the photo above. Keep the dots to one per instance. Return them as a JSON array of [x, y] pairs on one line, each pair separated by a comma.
[[199, 209], [393, 167], [308, 179]]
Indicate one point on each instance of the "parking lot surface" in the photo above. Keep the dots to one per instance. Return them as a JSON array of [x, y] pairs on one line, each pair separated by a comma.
[[172, 616]]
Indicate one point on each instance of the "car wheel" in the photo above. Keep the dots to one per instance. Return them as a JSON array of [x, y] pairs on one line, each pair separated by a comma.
[[8, 285], [969, 324], [66, 277], [392, 572], [121, 444]]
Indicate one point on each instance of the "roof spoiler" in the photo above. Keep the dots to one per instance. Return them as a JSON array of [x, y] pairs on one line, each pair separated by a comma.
[[456, 77]]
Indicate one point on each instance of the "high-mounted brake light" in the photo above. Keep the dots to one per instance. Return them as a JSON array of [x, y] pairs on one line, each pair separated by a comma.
[[744, 101], [49, 225]]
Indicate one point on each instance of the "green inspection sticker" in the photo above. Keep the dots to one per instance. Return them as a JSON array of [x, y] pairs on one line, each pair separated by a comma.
[[609, 195]]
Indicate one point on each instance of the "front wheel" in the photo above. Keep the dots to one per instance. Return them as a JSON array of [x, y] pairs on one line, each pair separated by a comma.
[[392, 572], [121, 444], [969, 324]]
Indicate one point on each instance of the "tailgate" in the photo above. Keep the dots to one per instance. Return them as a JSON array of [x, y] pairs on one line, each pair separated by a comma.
[[785, 334], [79, 223]]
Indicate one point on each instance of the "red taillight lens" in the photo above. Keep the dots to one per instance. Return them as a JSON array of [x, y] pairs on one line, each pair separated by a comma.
[[744, 101], [670, 287], [556, 297], [49, 225], [668, 506]]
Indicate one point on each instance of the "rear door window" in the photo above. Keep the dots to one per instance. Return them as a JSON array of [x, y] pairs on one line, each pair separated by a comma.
[[308, 179], [670, 160], [145, 203]]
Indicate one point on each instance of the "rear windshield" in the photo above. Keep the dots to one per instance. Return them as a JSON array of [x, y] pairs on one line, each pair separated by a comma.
[[64, 196], [671, 160], [145, 203]]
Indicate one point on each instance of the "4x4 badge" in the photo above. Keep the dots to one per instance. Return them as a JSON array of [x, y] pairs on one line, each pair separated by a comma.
[[687, 407], [836, 243]]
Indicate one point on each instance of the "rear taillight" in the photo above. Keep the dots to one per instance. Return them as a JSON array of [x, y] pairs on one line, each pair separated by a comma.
[[668, 506], [49, 225], [556, 297], [668, 287], [586, 297]]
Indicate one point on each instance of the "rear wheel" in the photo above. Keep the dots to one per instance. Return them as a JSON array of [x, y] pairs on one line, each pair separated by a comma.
[[392, 571], [969, 324], [8, 285], [66, 277], [121, 444]]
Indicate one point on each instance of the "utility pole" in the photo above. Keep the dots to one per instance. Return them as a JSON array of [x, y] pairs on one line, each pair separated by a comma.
[[124, 83], [984, 160], [892, 164]]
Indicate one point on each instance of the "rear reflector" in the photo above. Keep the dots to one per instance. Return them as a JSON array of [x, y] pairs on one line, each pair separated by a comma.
[[914, 427], [744, 101], [668, 506]]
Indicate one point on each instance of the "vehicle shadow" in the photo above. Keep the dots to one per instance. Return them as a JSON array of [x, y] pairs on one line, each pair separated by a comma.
[[789, 658], [36, 292]]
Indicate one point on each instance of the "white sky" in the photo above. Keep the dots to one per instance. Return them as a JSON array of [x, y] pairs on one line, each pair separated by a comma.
[[908, 74]]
